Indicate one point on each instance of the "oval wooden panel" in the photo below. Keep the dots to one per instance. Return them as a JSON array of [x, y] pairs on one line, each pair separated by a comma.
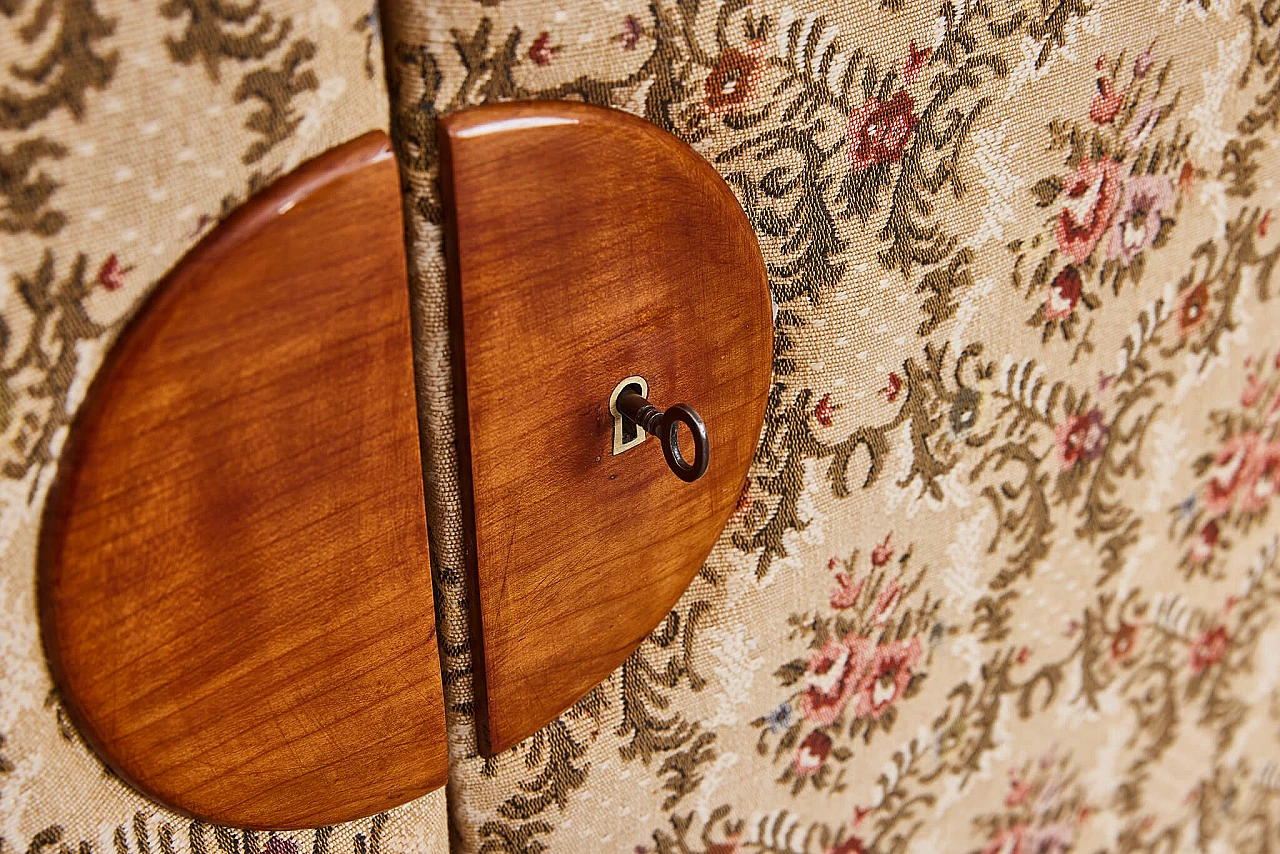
[[587, 246], [235, 588]]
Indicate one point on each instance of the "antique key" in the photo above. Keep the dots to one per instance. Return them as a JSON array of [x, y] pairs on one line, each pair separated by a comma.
[[665, 427]]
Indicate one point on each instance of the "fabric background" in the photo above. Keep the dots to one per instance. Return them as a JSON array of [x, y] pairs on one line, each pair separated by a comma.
[[1005, 576], [127, 130]]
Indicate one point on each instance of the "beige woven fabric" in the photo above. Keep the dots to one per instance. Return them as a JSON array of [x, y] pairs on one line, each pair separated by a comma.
[[127, 131], [1005, 578]]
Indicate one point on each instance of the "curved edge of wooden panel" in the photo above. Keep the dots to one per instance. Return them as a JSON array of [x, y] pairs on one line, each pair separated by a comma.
[[368, 155], [495, 733]]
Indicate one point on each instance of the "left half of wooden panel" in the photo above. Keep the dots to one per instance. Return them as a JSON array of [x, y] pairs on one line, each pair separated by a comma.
[[235, 588]]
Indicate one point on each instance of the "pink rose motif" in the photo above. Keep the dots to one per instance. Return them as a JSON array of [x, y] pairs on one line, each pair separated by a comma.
[[1064, 294], [846, 592], [879, 130], [813, 751], [1260, 477], [833, 678], [887, 677], [1208, 649], [1080, 437], [1226, 473], [1092, 193], [1105, 104], [1140, 217]]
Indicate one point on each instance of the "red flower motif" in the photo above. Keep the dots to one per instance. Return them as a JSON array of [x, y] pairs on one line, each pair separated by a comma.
[[1206, 542], [1080, 437], [879, 130], [1264, 223], [890, 391], [1092, 193], [1186, 177], [1064, 294], [887, 677], [882, 553], [1193, 305], [1105, 104], [111, 273], [852, 845], [732, 83], [542, 51], [833, 678], [631, 32], [1208, 649], [1260, 477], [1124, 641], [813, 751], [846, 592], [824, 411], [745, 503], [1226, 474], [916, 58]]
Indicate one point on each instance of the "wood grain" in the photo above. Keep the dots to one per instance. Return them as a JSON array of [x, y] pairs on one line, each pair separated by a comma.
[[235, 589], [587, 246]]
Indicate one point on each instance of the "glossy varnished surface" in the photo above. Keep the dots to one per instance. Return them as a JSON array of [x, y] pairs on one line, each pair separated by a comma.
[[235, 590], [587, 246]]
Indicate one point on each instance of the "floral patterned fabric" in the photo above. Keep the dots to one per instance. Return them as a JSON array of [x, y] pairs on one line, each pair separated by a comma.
[[1005, 577], [127, 130]]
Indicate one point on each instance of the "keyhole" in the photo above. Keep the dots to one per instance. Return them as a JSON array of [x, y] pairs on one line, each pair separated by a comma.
[[627, 433]]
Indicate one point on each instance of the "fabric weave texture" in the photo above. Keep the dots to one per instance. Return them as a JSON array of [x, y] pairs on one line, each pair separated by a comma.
[[1005, 575], [127, 132]]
